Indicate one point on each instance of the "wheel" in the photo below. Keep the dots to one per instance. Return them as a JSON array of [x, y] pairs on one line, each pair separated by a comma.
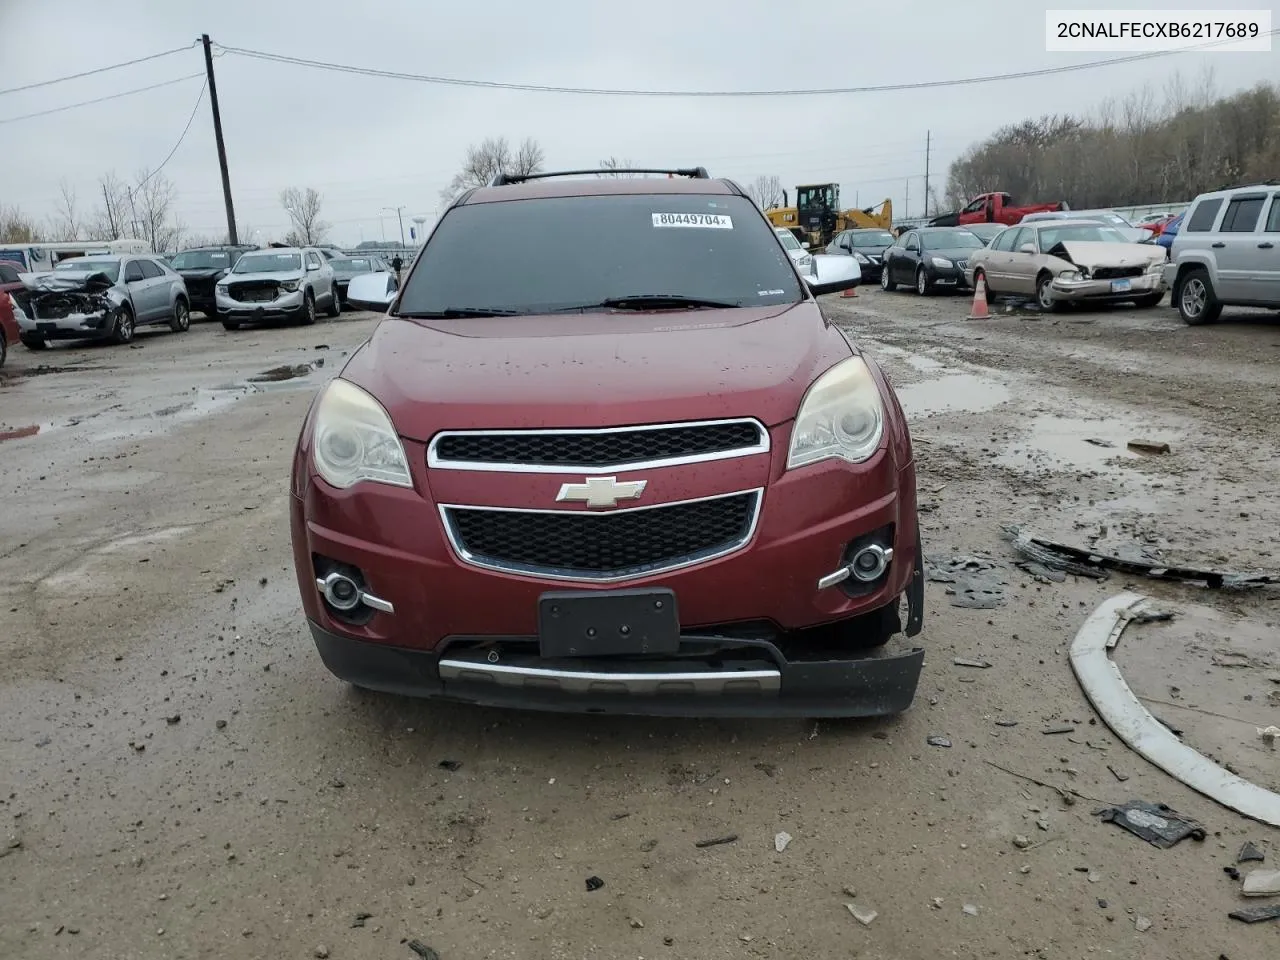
[[1197, 303], [923, 286], [1044, 293], [307, 316], [1150, 300], [228, 323], [4, 347], [180, 322], [32, 343], [122, 330], [887, 285], [335, 308]]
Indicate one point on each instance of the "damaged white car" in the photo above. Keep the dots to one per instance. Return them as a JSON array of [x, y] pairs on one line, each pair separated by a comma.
[[1069, 261], [100, 298]]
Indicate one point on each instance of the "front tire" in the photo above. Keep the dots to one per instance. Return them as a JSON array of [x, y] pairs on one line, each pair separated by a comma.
[[123, 328], [923, 286], [1044, 294], [307, 316], [335, 306], [180, 322], [887, 285], [1197, 303]]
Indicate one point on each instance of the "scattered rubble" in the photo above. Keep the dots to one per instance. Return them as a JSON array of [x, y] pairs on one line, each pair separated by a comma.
[[1257, 914], [1261, 883], [1249, 852], [781, 840], [1148, 446], [973, 582], [1156, 823], [716, 841], [594, 884], [864, 915]]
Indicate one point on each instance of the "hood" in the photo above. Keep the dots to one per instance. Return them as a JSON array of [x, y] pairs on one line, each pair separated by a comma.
[[1100, 253], [872, 251], [593, 370], [348, 274], [953, 254], [67, 281], [273, 277]]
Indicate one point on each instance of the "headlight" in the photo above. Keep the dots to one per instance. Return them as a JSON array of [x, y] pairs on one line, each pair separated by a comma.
[[1070, 275], [221, 287], [354, 439], [860, 258], [942, 263], [290, 286], [1155, 266], [841, 417], [805, 261]]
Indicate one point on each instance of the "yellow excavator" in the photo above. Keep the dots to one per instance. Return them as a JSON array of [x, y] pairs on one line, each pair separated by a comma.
[[817, 216]]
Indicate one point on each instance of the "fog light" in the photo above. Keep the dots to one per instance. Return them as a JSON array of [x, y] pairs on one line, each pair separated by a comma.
[[870, 562], [341, 592]]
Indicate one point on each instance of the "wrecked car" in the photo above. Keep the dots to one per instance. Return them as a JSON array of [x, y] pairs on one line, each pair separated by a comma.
[[100, 298], [1061, 262], [280, 283], [655, 481], [202, 267]]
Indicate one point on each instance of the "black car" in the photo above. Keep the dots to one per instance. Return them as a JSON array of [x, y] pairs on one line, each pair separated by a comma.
[[928, 258], [866, 245], [202, 267]]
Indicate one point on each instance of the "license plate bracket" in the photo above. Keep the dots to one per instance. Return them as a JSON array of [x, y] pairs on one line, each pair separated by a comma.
[[1121, 286], [608, 623]]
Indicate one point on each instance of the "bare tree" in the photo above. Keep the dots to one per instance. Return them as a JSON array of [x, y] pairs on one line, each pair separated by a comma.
[[767, 191], [113, 218], [17, 227], [152, 207], [616, 169], [487, 159], [303, 208], [66, 216]]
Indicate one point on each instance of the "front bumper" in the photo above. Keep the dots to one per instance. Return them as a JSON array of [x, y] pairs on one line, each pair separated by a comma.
[[946, 276], [871, 270], [1104, 291], [76, 326], [282, 307], [786, 647]]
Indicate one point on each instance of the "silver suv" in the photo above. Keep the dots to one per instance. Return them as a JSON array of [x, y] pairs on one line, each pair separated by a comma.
[[1227, 253], [280, 283]]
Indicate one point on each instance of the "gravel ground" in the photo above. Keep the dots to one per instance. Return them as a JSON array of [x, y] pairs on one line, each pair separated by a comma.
[[180, 777]]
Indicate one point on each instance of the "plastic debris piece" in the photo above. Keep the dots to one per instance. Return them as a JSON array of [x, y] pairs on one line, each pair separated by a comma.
[[593, 884], [1261, 883], [864, 915], [1249, 852], [1156, 823], [967, 662], [936, 741], [970, 910], [1257, 914], [781, 840], [716, 841], [422, 950]]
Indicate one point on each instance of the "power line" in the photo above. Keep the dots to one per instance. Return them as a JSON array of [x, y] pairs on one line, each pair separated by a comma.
[[180, 139], [114, 96], [816, 91], [90, 73]]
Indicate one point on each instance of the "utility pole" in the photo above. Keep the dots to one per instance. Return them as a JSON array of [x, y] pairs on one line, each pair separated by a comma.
[[217, 135], [399, 216], [906, 211], [928, 137]]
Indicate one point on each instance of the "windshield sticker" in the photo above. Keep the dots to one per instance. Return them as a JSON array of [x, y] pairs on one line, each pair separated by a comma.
[[712, 221], [770, 293]]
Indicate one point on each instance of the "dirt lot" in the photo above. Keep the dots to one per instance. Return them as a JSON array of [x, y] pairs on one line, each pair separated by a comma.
[[180, 777]]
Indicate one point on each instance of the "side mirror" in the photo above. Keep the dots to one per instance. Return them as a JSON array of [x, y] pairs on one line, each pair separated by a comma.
[[1027, 248], [372, 291], [832, 274]]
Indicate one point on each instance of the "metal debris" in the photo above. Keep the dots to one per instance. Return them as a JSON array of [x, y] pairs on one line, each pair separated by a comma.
[[1156, 823], [422, 950]]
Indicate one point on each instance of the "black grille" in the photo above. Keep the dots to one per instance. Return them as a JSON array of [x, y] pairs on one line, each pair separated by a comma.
[[1116, 273], [574, 543], [604, 449], [254, 291]]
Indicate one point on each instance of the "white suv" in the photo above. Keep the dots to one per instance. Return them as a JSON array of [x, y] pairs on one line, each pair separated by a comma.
[[1227, 253]]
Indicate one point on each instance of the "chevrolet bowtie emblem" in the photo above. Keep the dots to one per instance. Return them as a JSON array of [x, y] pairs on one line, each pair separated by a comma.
[[601, 491]]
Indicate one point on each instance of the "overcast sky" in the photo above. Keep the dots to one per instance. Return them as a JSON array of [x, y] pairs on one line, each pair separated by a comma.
[[368, 143]]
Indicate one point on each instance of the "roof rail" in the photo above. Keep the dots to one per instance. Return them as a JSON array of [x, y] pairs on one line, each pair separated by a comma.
[[1247, 183], [505, 179]]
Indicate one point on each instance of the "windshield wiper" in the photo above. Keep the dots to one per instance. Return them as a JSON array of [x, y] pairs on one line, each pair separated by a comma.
[[657, 301], [457, 313]]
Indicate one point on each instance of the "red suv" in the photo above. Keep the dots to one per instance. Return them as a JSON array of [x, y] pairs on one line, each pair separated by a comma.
[[8, 322], [606, 454]]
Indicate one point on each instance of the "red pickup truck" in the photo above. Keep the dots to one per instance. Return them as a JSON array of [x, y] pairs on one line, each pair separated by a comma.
[[994, 208]]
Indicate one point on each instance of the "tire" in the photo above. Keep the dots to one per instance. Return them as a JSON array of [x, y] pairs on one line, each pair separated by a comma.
[[923, 286], [228, 323], [32, 343], [1150, 300], [335, 308], [123, 329], [1043, 298], [1196, 301], [887, 285], [4, 347], [307, 315], [180, 322]]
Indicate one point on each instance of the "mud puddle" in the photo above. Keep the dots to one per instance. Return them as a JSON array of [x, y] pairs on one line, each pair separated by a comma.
[[1215, 677], [1097, 444], [956, 393]]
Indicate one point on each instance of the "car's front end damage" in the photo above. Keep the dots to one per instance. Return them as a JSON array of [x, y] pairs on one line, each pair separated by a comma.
[[1098, 272], [67, 305], [253, 297]]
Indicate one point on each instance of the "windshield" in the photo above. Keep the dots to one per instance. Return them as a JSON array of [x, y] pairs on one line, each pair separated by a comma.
[[510, 257], [110, 267], [875, 239], [950, 240], [1050, 237], [201, 260], [788, 239], [268, 263], [352, 265]]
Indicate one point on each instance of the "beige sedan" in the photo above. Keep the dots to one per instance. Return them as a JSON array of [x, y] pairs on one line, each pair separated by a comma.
[[1070, 261]]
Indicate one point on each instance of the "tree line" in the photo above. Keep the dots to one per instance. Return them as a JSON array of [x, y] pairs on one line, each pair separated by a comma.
[[1140, 149]]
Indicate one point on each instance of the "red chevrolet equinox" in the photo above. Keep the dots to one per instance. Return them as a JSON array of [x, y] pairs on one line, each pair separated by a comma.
[[606, 454]]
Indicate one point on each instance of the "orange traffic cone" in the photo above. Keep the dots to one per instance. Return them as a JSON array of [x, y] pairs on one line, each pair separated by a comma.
[[979, 310], [851, 292]]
